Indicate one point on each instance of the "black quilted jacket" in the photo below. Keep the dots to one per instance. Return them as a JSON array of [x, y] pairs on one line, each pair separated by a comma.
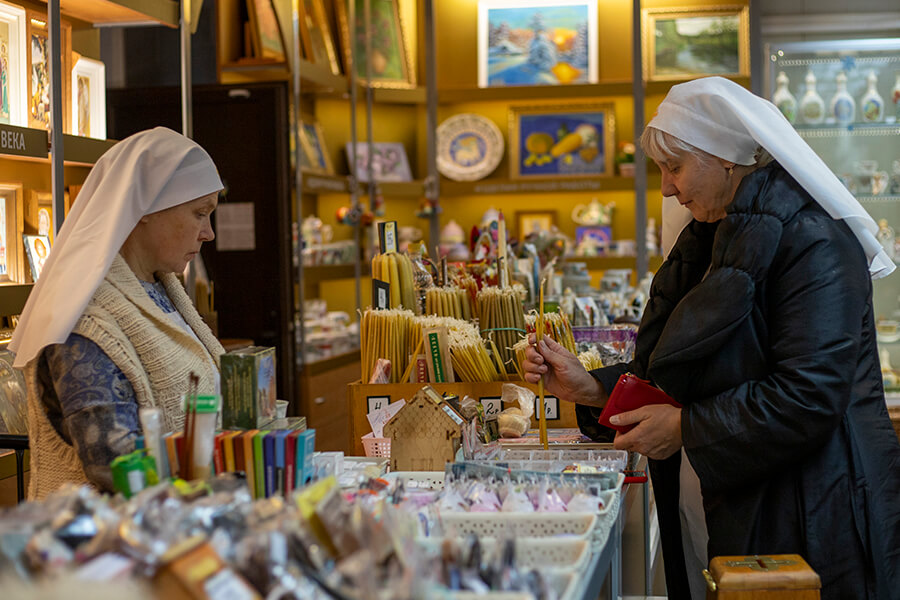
[[773, 355]]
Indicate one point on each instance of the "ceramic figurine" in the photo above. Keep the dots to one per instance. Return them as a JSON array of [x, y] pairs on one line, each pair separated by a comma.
[[784, 99], [871, 105], [812, 107], [895, 96], [842, 106], [886, 237]]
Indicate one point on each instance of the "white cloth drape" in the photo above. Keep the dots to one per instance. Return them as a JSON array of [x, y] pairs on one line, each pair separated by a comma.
[[143, 174], [728, 121]]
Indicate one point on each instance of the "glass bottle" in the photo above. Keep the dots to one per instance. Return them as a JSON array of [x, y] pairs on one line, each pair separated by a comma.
[[871, 105], [886, 237], [812, 107], [783, 98], [842, 106]]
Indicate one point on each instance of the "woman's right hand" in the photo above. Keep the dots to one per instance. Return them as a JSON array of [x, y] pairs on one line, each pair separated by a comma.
[[564, 375]]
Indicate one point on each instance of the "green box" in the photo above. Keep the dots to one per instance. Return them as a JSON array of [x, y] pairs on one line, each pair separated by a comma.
[[248, 387]]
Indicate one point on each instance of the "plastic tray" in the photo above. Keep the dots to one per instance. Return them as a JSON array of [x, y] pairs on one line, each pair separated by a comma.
[[565, 556], [564, 583], [606, 480], [603, 460], [420, 480], [530, 525]]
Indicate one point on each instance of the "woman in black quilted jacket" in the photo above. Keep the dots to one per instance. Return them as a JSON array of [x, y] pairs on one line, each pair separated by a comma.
[[760, 323]]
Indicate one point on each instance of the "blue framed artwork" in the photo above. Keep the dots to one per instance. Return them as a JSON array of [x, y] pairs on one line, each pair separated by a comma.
[[543, 42], [572, 140], [314, 156]]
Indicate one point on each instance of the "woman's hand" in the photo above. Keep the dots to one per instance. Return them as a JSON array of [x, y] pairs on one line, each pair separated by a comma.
[[564, 375], [657, 434]]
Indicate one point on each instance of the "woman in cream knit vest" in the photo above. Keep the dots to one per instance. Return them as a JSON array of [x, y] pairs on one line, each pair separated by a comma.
[[108, 328]]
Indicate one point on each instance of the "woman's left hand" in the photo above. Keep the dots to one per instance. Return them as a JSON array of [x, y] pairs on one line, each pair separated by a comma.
[[657, 434]]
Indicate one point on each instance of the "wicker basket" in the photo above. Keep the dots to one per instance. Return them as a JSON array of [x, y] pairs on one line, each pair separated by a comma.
[[377, 447]]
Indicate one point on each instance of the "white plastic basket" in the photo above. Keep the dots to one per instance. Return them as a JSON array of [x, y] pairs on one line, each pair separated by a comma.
[[606, 518], [519, 525], [565, 555], [419, 480], [553, 460], [564, 583]]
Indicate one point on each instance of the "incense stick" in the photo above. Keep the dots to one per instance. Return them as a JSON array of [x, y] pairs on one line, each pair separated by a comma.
[[539, 334], [187, 453]]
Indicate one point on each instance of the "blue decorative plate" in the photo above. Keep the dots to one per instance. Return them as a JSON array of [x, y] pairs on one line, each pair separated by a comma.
[[469, 147]]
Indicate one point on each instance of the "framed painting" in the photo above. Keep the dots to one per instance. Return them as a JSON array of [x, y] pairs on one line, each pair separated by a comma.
[[37, 248], [39, 214], [11, 251], [534, 221], [315, 32], [389, 60], [569, 140], [13, 82], [265, 32], [686, 43], [38, 67], [389, 162], [89, 98], [542, 42], [314, 158]]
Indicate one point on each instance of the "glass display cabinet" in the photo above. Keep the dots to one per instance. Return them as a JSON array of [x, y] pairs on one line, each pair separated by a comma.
[[844, 99]]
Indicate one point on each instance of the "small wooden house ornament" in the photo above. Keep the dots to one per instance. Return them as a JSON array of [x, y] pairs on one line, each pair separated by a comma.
[[425, 433]]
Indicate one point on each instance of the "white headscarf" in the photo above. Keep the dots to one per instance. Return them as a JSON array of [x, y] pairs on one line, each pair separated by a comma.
[[148, 172], [728, 121]]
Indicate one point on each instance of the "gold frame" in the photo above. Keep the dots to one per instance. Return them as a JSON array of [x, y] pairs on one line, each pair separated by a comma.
[[256, 34], [523, 215], [650, 16], [320, 142], [313, 14], [406, 60], [15, 251], [36, 22], [609, 135], [36, 201]]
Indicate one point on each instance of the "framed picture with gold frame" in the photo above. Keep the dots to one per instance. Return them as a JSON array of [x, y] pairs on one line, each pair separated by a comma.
[[561, 140], [39, 214], [89, 98], [38, 65], [265, 31], [12, 256], [315, 32], [390, 59], [314, 158], [13, 83], [532, 221], [686, 43]]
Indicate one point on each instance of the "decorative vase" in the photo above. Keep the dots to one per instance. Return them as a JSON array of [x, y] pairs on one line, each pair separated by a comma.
[[784, 99], [871, 105], [812, 107], [895, 96], [886, 237], [842, 106]]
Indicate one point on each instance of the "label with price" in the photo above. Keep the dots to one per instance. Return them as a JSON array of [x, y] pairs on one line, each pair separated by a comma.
[[492, 407], [551, 404], [377, 402]]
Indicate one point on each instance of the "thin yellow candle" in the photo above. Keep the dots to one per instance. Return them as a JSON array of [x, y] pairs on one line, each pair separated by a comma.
[[539, 334]]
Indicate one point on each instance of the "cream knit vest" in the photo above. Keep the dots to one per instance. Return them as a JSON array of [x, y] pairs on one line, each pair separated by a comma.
[[156, 355]]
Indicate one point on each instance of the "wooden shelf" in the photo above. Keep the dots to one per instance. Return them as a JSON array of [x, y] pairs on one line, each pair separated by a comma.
[[539, 186], [325, 184], [122, 12], [537, 92], [320, 273], [331, 363], [400, 189], [602, 263], [24, 143], [13, 298], [662, 87], [84, 150]]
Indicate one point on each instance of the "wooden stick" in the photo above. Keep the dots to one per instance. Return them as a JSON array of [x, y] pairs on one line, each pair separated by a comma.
[[409, 367], [539, 335]]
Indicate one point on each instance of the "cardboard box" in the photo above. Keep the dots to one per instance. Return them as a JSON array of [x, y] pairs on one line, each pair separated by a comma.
[[365, 397], [248, 387]]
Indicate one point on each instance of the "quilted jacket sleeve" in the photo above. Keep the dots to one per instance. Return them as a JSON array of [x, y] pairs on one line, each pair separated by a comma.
[[816, 302]]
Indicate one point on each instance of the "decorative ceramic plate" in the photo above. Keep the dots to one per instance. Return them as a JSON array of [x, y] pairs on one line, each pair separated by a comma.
[[469, 147]]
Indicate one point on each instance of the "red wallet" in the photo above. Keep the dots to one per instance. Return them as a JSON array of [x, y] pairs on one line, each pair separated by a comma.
[[632, 392]]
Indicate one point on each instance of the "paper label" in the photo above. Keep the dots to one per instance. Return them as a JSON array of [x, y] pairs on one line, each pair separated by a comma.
[[452, 414], [387, 236], [381, 294], [492, 407], [380, 417], [551, 406]]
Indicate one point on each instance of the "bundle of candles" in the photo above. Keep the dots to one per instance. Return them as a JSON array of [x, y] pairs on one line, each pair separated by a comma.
[[502, 319], [471, 360], [556, 327], [591, 359], [387, 334], [448, 301], [396, 269]]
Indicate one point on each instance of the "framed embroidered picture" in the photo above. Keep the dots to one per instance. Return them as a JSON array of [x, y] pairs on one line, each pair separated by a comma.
[[38, 67], [390, 59], [37, 248], [389, 162], [315, 32], [686, 43], [11, 250], [561, 140], [13, 82], [539, 42], [89, 98]]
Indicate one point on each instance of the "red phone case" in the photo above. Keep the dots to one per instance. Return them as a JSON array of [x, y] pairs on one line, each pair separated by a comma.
[[632, 392]]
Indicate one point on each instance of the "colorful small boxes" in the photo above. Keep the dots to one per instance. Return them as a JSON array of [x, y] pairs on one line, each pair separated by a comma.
[[248, 387]]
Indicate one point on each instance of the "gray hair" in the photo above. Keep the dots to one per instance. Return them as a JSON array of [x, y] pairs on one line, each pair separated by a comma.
[[663, 147]]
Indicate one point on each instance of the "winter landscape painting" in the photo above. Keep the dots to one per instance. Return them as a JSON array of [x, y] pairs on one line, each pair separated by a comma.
[[544, 42]]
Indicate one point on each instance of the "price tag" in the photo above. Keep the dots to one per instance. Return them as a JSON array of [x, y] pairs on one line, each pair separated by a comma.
[[381, 294], [551, 404], [492, 407], [387, 236], [377, 402]]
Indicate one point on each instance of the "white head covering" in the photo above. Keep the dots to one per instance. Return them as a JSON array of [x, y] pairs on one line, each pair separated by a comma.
[[728, 121], [143, 174]]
